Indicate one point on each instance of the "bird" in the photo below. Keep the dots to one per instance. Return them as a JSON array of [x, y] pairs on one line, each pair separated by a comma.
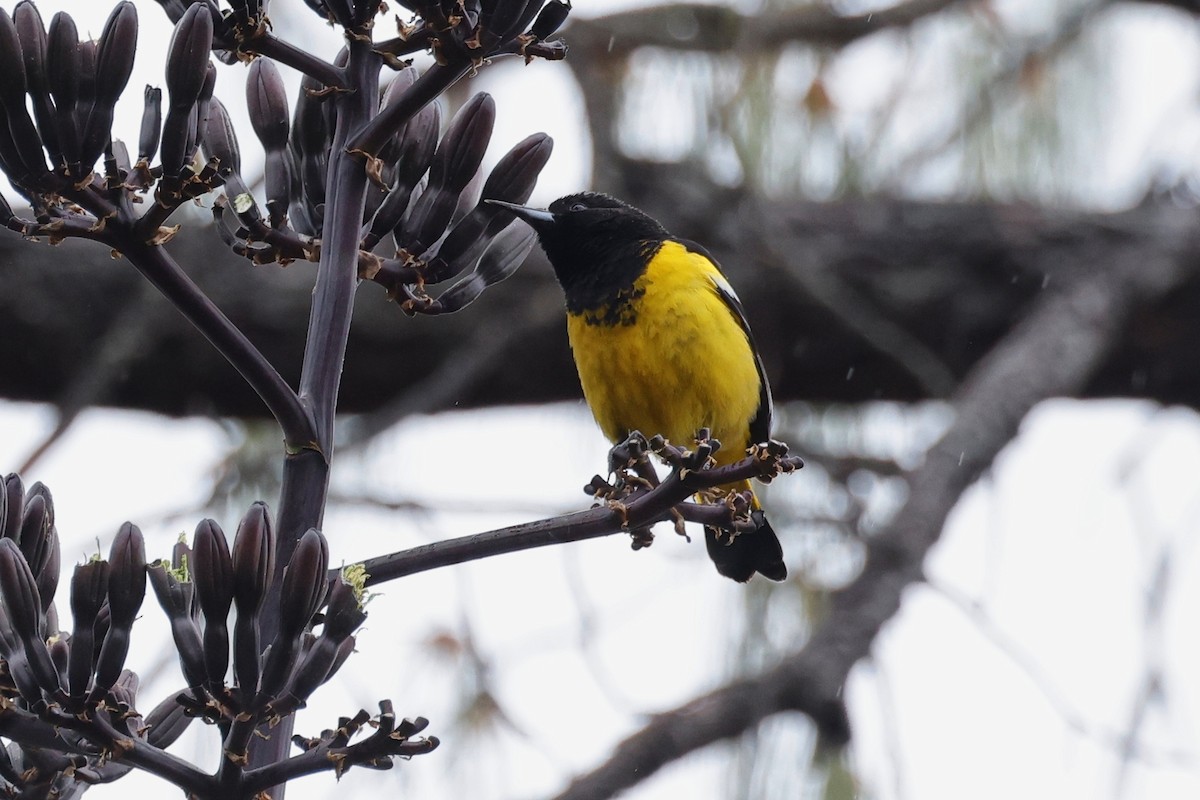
[[662, 346]]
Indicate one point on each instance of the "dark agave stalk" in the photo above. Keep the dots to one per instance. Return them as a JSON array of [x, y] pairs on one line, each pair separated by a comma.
[[349, 172], [69, 706]]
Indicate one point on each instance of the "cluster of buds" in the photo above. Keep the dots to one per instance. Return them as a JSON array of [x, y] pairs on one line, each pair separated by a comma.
[[69, 705], [427, 195]]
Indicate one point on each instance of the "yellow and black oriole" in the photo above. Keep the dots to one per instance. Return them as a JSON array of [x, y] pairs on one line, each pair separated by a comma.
[[662, 346]]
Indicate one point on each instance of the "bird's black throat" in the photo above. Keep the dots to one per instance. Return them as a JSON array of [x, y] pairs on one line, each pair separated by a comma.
[[599, 247]]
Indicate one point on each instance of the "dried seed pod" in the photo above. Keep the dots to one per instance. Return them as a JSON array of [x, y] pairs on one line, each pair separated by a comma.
[[89, 585], [253, 566], [175, 597], [212, 574]]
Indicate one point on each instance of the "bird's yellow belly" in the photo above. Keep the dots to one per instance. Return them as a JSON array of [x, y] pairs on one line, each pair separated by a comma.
[[682, 364]]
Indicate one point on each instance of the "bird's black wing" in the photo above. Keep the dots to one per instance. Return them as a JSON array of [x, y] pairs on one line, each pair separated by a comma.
[[760, 425]]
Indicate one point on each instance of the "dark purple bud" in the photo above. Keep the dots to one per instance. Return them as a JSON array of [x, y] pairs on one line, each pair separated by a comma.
[[26, 141], [220, 139], [187, 71], [187, 55], [32, 35], [464, 144], [87, 87], [550, 18], [266, 98], [342, 618], [33, 50], [507, 27], [62, 74], [60, 654], [198, 120], [166, 723], [454, 164], [114, 63], [212, 574], [12, 505], [19, 592], [175, 597], [125, 691], [23, 606], [127, 574], [19, 670], [278, 185], [12, 88], [253, 566], [89, 585], [115, 51], [48, 573], [512, 180], [501, 260], [38, 534], [151, 123], [304, 582], [126, 590], [414, 151]]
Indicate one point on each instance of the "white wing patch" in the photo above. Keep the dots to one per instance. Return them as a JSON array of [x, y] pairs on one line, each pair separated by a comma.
[[724, 287]]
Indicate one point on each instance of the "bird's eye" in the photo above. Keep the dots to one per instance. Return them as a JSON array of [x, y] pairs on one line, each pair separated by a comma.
[[578, 207]]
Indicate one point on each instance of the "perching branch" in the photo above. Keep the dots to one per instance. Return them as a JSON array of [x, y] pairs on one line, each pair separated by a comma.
[[1052, 352], [634, 507]]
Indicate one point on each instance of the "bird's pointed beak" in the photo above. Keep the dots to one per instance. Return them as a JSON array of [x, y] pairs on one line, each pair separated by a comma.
[[537, 218]]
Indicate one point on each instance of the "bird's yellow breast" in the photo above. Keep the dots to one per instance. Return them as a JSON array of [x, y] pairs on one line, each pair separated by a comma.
[[674, 360]]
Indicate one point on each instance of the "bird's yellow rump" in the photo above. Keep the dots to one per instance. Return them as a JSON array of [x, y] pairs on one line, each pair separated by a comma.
[[662, 346]]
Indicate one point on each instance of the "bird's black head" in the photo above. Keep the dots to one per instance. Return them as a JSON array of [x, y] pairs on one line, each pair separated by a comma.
[[598, 245]]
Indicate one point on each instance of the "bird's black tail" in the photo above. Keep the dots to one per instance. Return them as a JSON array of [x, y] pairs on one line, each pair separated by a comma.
[[740, 556]]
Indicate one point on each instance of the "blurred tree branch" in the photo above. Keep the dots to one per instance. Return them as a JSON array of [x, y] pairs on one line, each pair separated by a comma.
[[953, 276]]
